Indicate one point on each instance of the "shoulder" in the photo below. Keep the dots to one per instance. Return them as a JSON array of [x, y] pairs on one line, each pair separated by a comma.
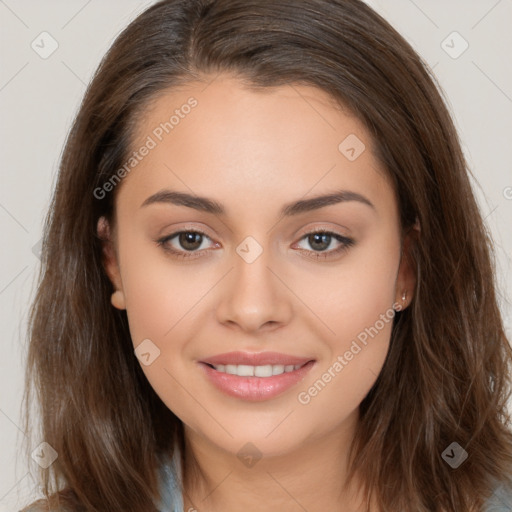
[[501, 500], [37, 506]]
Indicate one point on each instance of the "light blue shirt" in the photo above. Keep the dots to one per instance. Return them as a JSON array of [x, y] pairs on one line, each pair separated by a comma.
[[172, 499], [170, 478], [501, 501]]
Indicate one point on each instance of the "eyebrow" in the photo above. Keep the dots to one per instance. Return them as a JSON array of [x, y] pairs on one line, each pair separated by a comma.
[[208, 205]]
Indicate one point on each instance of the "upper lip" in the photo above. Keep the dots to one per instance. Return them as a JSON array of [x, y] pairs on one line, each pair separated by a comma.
[[255, 359]]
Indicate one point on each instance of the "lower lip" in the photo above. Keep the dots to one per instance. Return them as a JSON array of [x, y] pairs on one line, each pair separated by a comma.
[[255, 388]]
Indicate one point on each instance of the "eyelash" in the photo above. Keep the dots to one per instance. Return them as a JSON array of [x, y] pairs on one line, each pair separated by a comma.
[[346, 244]]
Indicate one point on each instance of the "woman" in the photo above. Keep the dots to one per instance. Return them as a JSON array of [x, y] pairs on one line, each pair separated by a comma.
[[266, 281]]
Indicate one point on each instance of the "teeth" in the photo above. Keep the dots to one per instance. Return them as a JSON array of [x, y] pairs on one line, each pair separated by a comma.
[[244, 370]]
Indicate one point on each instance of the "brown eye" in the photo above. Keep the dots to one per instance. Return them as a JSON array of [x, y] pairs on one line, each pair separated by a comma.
[[190, 240], [185, 242], [320, 241]]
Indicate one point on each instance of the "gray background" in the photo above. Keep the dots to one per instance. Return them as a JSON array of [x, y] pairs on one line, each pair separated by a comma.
[[39, 97]]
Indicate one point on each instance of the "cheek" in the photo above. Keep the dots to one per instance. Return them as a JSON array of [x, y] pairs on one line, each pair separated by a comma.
[[159, 293], [161, 304], [351, 297], [357, 306], [352, 326], [355, 358]]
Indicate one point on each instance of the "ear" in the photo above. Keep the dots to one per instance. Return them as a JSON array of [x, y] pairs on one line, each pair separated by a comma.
[[110, 262], [406, 278]]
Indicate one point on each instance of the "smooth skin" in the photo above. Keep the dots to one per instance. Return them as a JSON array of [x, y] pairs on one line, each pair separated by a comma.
[[253, 151]]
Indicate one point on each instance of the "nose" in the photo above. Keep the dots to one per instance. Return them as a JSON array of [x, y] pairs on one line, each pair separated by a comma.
[[254, 295]]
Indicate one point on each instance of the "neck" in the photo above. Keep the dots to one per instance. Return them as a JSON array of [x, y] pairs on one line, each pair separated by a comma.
[[312, 478]]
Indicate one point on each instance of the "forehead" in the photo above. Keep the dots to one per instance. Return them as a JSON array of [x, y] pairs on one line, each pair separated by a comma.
[[250, 145], [228, 104]]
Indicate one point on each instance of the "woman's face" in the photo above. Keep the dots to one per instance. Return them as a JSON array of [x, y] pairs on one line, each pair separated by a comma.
[[256, 330]]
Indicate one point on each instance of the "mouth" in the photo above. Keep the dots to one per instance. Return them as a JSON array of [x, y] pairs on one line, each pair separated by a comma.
[[255, 377]]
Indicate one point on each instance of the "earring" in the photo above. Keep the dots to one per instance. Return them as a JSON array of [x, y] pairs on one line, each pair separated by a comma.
[[396, 306], [404, 297], [117, 299]]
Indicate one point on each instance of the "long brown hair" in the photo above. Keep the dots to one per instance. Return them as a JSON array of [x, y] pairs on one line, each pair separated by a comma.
[[446, 378]]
